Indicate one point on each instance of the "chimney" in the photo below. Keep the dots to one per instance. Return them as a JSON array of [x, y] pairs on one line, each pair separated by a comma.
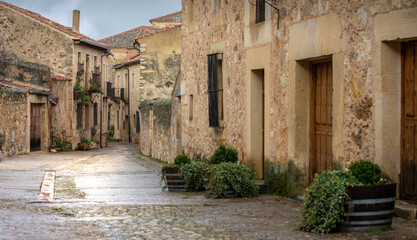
[[76, 21]]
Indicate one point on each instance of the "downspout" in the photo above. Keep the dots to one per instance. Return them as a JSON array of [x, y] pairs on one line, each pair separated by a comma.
[[128, 101]]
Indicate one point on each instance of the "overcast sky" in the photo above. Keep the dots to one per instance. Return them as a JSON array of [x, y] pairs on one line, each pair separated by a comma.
[[101, 18]]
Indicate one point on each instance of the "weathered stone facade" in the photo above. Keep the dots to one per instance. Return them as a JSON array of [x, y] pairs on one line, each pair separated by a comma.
[[358, 37], [37, 40], [13, 138]]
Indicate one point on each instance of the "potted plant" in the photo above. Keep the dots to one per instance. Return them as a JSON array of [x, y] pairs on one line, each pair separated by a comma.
[[370, 205], [356, 200], [227, 179], [194, 175], [171, 174]]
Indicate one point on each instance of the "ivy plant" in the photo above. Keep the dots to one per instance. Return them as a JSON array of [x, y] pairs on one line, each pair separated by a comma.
[[231, 180], [193, 175], [323, 208]]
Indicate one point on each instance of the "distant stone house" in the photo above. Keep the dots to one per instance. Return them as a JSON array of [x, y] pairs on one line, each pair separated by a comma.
[[323, 83], [24, 117], [123, 81], [67, 53], [146, 69]]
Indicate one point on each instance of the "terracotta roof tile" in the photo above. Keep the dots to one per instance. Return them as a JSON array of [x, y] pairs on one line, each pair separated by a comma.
[[62, 28], [126, 38], [59, 77], [175, 17], [23, 85]]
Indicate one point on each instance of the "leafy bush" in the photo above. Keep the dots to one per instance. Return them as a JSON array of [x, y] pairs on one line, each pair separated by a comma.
[[193, 175], [64, 144], [85, 100], [88, 141], [224, 154], [366, 172], [284, 179], [231, 179], [182, 159], [323, 207]]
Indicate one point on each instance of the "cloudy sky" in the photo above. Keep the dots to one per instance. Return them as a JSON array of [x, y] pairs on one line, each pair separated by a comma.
[[101, 18]]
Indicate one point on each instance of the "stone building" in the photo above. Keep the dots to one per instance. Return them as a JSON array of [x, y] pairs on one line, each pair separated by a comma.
[[124, 77], [146, 69], [160, 72], [321, 82], [25, 117], [68, 54]]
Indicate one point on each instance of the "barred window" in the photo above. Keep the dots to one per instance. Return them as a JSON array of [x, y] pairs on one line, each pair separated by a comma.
[[215, 89]]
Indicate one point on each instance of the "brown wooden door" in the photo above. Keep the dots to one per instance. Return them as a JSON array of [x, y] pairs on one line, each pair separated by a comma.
[[35, 127], [409, 122], [321, 117]]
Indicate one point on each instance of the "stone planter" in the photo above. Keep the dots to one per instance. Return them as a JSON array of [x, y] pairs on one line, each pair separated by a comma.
[[174, 180], [369, 207]]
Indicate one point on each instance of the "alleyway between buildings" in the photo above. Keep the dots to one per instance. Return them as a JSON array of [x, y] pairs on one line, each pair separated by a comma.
[[115, 193]]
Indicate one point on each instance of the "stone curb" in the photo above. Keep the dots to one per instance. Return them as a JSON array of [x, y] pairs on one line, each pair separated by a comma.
[[48, 185]]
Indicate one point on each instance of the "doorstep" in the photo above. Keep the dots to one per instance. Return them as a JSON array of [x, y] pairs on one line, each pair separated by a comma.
[[405, 210]]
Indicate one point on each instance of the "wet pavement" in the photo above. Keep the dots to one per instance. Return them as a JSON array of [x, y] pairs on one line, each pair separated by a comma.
[[115, 193]]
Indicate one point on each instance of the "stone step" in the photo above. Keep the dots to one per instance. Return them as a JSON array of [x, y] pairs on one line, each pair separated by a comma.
[[405, 210]]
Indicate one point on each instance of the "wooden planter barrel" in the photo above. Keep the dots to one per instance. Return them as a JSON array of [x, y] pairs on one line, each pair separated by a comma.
[[369, 207], [174, 180]]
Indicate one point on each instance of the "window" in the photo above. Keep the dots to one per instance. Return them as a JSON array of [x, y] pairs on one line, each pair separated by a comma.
[[260, 11], [118, 116], [95, 116], [79, 116], [215, 89], [133, 80], [191, 110], [79, 57]]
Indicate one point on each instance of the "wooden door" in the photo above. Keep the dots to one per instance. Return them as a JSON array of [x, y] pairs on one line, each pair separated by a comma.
[[409, 122], [321, 118], [35, 127]]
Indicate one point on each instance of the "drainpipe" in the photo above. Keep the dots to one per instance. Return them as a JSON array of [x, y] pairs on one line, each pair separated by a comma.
[[128, 101], [101, 95]]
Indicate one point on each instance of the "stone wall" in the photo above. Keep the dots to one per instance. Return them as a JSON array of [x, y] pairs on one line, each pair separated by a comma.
[[14, 119], [352, 34], [161, 54], [208, 29], [158, 129], [36, 42]]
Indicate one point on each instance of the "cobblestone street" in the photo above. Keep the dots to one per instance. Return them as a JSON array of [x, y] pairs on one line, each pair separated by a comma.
[[115, 193]]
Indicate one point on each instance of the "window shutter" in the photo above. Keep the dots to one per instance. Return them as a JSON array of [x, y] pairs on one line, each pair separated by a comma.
[[137, 122], [260, 11], [212, 91]]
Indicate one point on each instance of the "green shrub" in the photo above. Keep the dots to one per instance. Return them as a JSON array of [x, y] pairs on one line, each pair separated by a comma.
[[231, 179], [64, 144], [182, 159], [284, 179], [224, 154], [366, 172], [193, 175], [323, 207], [88, 141]]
